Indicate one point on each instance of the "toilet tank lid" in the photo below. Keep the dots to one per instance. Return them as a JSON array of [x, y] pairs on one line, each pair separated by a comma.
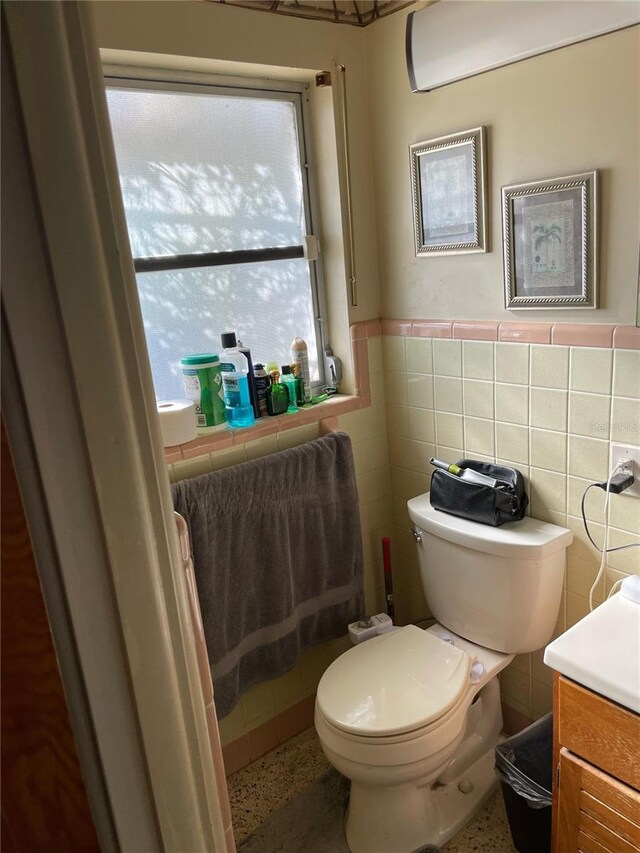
[[528, 539]]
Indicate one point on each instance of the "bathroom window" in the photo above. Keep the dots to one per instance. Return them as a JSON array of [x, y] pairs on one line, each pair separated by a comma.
[[217, 199]]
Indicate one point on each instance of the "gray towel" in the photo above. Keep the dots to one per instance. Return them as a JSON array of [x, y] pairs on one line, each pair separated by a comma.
[[278, 559]]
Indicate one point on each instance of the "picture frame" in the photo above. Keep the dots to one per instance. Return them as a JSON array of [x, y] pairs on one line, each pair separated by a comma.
[[550, 242], [448, 180]]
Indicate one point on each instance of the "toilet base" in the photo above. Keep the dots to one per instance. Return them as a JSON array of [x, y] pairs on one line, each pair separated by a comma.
[[403, 818]]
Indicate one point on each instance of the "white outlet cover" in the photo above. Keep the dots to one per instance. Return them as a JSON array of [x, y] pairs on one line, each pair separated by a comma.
[[627, 451]]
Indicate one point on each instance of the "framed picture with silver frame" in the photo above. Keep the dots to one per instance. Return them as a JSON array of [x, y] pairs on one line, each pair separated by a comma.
[[448, 179], [550, 241]]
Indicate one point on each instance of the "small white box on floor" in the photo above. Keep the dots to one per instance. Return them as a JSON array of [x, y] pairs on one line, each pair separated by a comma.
[[369, 627]]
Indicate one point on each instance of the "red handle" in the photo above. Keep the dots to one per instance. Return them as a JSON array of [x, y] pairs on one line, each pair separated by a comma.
[[386, 554]]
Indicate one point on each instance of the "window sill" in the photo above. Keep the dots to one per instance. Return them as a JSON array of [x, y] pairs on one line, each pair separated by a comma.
[[324, 413]]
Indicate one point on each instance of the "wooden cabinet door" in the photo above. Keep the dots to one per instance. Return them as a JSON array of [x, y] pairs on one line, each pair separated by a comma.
[[596, 813]]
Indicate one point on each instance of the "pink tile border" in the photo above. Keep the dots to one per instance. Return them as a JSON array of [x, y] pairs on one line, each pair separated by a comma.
[[358, 331], [263, 738], [365, 329], [173, 454], [582, 334], [374, 328], [273, 732], [236, 755], [360, 354], [328, 425], [475, 330], [626, 337], [432, 329], [567, 334], [397, 327], [339, 405], [207, 443], [300, 418], [525, 333]]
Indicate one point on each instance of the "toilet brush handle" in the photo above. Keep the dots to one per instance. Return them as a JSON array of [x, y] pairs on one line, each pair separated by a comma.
[[388, 577]]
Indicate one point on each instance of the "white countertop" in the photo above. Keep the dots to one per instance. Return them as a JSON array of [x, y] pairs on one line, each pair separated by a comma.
[[602, 651]]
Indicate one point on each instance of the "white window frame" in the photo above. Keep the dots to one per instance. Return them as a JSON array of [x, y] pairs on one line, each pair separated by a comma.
[[296, 93]]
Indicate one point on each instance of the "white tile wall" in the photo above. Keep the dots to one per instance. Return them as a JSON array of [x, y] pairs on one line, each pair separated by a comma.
[[548, 410]]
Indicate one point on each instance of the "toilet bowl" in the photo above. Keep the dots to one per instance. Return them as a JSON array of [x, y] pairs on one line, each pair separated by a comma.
[[393, 716], [412, 717]]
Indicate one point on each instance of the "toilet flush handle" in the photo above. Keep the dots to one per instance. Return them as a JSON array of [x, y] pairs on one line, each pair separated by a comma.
[[417, 534]]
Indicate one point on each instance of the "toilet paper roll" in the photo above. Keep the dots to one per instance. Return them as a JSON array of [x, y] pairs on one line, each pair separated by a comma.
[[177, 421]]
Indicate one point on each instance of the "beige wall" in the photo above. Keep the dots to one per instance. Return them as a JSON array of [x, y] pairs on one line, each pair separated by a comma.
[[569, 111]]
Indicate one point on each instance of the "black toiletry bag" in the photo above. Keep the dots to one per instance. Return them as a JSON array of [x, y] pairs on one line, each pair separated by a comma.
[[484, 504]]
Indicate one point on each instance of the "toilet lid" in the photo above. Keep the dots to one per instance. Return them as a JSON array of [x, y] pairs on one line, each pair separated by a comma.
[[394, 683]]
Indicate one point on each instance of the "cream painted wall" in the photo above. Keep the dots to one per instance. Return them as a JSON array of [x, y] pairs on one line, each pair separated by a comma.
[[587, 97], [569, 111], [206, 31]]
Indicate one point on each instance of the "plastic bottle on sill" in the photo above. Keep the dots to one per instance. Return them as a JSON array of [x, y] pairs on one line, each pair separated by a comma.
[[235, 383], [289, 381], [203, 384], [262, 382], [253, 396], [300, 356], [299, 385]]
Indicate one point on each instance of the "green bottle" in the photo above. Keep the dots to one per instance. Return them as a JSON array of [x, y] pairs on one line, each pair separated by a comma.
[[295, 369], [289, 380], [277, 396]]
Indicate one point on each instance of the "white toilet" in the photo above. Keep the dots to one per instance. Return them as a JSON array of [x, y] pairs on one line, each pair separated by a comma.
[[412, 717]]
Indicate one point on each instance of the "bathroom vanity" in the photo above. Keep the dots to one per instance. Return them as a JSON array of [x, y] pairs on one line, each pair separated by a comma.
[[596, 803], [596, 708]]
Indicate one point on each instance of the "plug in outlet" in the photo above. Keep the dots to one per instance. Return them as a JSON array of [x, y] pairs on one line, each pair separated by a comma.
[[631, 455]]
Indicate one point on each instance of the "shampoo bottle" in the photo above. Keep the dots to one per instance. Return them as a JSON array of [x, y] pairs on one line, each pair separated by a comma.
[[235, 383], [262, 382]]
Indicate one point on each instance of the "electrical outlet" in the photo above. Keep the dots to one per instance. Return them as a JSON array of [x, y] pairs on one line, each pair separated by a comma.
[[626, 451]]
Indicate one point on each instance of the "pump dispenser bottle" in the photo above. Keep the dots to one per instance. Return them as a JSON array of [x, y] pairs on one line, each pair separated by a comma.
[[234, 371]]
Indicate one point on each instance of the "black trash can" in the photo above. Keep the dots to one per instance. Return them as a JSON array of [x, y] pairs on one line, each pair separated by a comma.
[[524, 764]]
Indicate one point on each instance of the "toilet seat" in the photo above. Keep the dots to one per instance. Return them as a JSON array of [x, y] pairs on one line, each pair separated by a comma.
[[395, 687]]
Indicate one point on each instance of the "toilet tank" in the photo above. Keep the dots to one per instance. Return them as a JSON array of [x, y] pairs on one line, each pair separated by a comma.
[[499, 587]]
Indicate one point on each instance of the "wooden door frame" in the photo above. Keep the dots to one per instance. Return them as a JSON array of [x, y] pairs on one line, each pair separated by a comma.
[[80, 413]]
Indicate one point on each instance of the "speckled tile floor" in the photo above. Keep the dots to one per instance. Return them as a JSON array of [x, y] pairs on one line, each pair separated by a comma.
[[259, 790], [256, 791]]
